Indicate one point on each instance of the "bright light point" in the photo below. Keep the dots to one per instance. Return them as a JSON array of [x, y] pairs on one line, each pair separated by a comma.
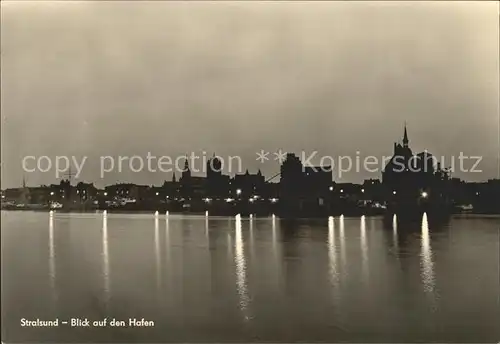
[[105, 194], [363, 190], [157, 193], [207, 200], [425, 194], [229, 200], [238, 192], [331, 188], [51, 212], [341, 190], [251, 215], [52, 194], [206, 213], [274, 200], [394, 192], [251, 200], [156, 213]]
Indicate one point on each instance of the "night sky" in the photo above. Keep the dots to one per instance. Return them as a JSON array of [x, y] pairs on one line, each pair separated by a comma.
[[127, 78]]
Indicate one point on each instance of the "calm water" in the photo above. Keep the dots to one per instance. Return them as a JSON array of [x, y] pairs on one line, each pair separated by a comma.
[[238, 280]]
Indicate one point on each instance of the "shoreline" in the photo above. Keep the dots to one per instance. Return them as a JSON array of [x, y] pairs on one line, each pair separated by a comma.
[[355, 214]]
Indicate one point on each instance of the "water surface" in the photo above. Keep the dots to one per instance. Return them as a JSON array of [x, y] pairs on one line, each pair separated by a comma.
[[245, 280]]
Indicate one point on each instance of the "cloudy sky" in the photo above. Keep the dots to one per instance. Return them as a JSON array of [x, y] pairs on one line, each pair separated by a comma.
[[127, 78]]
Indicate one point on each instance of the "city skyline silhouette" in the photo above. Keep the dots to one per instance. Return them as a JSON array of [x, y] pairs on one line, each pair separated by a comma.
[[335, 77]]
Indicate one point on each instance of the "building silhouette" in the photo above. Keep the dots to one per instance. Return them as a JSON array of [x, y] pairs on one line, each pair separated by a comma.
[[304, 189], [217, 184], [414, 180], [409, 181]]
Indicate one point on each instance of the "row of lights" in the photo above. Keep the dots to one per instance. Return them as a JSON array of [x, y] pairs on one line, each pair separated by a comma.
[[274, 200], [423, 194], [342, 190]]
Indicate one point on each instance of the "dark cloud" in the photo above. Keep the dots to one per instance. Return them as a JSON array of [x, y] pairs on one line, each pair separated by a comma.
[[111, 78]]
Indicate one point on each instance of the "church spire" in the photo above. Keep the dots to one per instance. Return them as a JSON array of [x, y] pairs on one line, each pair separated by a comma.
[[405, 138], [186, 173], [186, 164]]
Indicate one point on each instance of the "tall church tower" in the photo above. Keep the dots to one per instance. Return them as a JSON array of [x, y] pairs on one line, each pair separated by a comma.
[[186, 172], [25, 192], [405, 138]]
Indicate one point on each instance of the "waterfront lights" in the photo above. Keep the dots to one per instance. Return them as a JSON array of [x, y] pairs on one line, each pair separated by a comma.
[[206, 213], [229, 200], [207, 200], [424, 194], [274, 200], [238, 191], [251, 200]]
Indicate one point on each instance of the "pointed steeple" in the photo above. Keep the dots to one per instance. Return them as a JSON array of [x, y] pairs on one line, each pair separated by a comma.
[[25, 193], [186, 172], [405, 138]]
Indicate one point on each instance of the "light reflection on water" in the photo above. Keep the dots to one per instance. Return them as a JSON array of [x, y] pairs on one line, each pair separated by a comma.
[[239, 259], [427, 264], [332, 253], [342, 242], [395, 231], [334, 273], [364, 248], [52, 258], [157, 253], [105, 259]]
